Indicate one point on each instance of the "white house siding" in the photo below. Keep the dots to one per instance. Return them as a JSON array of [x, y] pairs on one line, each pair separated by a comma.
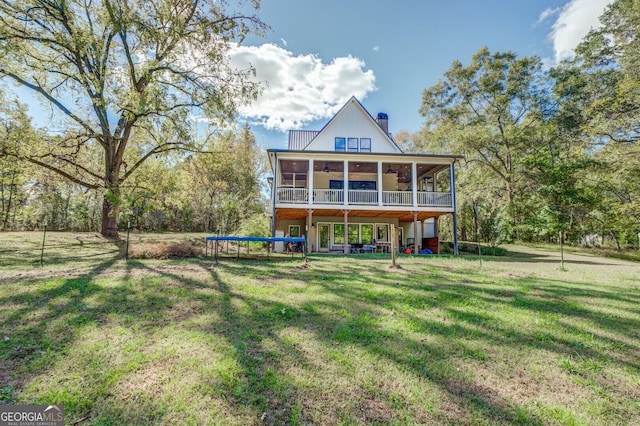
[[352, 121]]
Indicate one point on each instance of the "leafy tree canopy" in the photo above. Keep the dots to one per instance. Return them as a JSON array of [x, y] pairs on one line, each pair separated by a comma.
[[112, 68]]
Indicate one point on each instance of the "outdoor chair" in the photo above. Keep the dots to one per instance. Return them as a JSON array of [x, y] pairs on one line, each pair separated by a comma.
[[356, 248]]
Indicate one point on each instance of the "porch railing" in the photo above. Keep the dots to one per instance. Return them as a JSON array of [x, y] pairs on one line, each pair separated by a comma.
[[328, 196], [363, 196], [434, 199], [293, 195], [397, 198]]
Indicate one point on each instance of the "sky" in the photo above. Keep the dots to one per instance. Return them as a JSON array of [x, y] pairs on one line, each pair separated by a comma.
[[317, 54]]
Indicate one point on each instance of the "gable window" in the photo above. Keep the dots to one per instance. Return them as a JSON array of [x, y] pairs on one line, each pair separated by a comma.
[[352, 144], [340, 144], [365, 144]]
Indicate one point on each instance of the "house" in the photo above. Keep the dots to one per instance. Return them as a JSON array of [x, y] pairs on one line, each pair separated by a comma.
[[344, 186]]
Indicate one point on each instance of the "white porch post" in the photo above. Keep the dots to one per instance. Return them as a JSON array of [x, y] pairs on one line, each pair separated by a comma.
[[414, 184], [307, 234], [310, 184], [379, 183], [345, 184], [453, 204], [435, 233], [415, 232], [274, 195], [346, 231]]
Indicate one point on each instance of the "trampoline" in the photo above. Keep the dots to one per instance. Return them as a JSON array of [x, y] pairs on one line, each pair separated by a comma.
[[239, 240]]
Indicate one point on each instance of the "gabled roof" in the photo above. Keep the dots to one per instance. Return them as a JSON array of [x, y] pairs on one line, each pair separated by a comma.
[[301, 139]]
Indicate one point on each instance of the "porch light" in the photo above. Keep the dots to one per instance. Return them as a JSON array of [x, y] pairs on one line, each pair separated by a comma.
[[325, 168], [389, 170]]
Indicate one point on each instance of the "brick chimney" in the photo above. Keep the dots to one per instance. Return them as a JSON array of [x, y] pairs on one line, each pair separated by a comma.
[[383, 121]]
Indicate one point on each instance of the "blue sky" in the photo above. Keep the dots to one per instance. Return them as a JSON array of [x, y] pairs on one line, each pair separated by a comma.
[[319, 53]]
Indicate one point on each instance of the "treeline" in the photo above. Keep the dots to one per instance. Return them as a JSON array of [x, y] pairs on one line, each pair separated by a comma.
[[550, 153], [217, 189]]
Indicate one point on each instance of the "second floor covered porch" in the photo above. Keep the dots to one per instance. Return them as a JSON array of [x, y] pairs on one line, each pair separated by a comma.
[[387, 182]]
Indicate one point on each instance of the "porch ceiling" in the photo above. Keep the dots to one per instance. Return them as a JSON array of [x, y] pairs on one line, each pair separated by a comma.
[[402, 216]]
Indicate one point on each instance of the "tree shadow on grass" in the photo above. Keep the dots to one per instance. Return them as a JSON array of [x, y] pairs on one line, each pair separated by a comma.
[[29, 339], [276, 379], [452, 293], [361, 329]]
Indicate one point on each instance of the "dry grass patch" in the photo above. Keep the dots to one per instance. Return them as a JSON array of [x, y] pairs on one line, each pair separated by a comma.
[[163, 250]]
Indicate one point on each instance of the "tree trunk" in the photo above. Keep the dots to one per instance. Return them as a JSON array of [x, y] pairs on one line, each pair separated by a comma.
[[615, 238], [109, 223], [476, 223], [11, 190], [111, 198]]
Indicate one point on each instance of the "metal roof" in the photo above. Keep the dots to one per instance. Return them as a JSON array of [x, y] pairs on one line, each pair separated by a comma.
[[299, 139]]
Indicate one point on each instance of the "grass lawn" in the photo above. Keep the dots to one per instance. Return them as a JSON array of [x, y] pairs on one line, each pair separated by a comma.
[[342, 340]]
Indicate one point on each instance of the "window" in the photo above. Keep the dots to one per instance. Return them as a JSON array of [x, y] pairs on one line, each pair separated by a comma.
[[338, 233], [352, 144], [382, 232], [336, 184], [294, 231], [353, 184], [367, 234], [354, 234], [362, 184]]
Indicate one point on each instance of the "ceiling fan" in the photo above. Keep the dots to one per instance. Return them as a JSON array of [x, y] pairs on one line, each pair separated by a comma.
[[327, 169]]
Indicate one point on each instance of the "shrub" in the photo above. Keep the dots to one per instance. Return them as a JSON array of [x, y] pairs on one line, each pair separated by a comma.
[[493, 251], [163, 250]]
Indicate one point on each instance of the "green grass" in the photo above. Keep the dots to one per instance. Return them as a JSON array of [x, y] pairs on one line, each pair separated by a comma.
[[345, 340]]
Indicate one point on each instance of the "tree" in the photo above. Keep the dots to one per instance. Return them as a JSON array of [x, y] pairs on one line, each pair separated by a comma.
[[609, 57], [488, 111], [112, 68], [606, 81], [15, 127], [224, 189]]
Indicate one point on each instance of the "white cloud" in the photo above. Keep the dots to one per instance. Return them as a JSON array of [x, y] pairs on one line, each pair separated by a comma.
[[548, 12], [300, 89], [376, 48], [574, 22], [284, 42]]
